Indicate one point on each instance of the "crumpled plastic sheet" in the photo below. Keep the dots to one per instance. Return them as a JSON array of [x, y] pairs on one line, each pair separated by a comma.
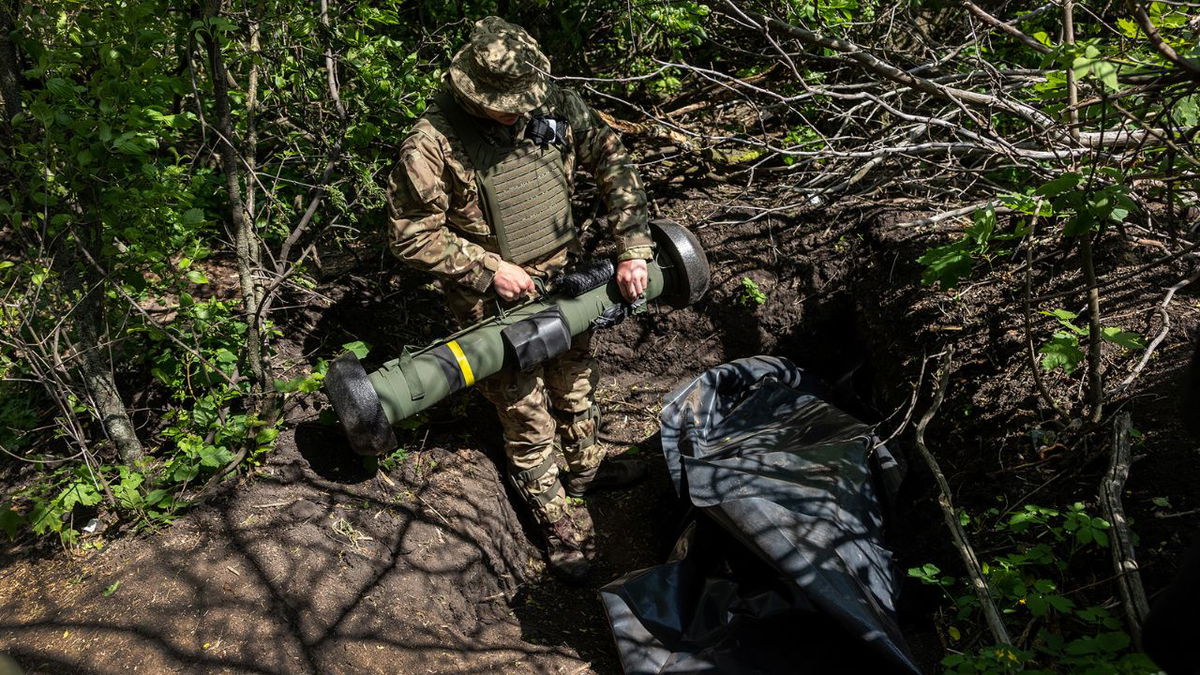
[[782, 567]]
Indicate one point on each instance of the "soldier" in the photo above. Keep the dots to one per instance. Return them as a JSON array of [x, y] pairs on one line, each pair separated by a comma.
[[481, 199]]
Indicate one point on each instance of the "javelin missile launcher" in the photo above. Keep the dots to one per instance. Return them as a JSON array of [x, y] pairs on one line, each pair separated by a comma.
[[368, 404]]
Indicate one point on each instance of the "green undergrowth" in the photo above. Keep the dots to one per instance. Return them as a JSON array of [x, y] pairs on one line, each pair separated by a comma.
[[1042, 583]]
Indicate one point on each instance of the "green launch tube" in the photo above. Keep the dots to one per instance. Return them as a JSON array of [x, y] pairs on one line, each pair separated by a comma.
[[367, 405]]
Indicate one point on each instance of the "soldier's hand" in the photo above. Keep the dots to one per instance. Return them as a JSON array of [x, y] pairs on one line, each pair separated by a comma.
[[511, 281], [632, 278]]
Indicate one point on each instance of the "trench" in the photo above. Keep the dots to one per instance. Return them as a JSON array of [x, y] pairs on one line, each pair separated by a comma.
[[831, 306], [830, 337]]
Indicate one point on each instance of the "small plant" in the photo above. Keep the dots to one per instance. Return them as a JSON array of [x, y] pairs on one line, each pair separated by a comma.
[[946, 265], [751, 295], [931, 575], [1063, 350], [394, 460]]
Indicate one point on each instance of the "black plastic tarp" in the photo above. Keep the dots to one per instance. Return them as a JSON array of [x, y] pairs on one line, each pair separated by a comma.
[[782, 568]]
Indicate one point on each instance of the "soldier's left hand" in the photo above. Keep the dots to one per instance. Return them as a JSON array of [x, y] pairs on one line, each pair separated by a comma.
[[632, 278]]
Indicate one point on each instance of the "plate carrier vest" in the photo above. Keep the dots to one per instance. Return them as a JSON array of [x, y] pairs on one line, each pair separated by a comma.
[[522, 187]]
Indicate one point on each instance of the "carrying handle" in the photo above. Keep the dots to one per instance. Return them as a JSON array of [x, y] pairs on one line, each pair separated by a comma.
[[540, 291]]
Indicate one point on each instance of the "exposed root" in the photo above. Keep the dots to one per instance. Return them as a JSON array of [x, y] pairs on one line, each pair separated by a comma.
[[1133, 597]]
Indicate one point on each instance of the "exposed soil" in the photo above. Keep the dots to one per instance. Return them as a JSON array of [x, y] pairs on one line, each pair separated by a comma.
[[313, 564]]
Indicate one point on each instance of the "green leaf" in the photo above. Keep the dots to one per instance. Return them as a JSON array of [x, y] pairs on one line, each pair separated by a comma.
[[1062, 314], [107, 592], [946, 265], [60, 87], [1081, 66], [214, 456], [1038, 606], [156, 497], [1061, 352], [197, 277], [11, 522], [1082, 223], [1059, 603], [983, 224], [46, 516], [1187, 111], [193, 217], [1120, 337], [81, 492], [1106, 72], [1065, 318], [1128, 27], [358, 347], [1056, 187], [183, 473], [1113, 642], [134, 143]]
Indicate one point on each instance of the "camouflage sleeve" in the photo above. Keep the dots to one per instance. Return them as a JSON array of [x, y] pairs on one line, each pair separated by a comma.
[[417, 205], [600, 151]]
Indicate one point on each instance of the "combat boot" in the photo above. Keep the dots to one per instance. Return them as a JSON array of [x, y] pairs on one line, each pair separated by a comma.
[[569, 545], [610, 475]]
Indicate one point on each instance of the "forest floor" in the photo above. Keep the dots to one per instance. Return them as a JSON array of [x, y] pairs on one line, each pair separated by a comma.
[[309, 563]]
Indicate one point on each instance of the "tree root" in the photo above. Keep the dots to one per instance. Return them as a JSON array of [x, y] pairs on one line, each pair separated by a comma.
[[1133, 597]]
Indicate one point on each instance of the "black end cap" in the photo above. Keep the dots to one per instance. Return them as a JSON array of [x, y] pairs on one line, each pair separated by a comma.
[[683, 252], [358, 408]]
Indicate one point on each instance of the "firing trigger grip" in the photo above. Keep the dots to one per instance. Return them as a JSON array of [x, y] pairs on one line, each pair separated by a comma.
[[617, 313]]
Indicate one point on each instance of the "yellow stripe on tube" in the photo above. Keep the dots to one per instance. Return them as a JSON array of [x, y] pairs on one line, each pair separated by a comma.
[[463, 364]]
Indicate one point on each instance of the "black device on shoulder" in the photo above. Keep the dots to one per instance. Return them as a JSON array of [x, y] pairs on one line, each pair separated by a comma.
[[547, 130]]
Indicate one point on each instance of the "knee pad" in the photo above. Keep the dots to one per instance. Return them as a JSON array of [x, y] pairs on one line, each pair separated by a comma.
[[540, 487], [578, 430]]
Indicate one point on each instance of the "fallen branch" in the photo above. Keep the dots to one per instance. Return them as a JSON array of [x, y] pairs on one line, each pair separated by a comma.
[[954, 213], [1162, 334], [970, 561], [1005, 27], [962, 97], [1133, 597]]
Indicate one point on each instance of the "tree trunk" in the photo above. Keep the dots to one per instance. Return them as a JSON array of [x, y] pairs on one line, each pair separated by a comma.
[[95, 367], [96, 371], [10, 100], [246, 241]]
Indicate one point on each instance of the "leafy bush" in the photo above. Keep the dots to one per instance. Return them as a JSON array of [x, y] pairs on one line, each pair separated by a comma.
[[1032, 587]]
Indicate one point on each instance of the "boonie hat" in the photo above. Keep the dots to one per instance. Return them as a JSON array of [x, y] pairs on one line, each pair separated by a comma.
[[501, 68]]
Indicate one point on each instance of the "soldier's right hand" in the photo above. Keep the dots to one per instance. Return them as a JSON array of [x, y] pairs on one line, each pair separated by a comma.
[[512, 281]]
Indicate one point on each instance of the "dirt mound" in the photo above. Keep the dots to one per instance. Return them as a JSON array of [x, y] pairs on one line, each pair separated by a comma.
[[410, 571]]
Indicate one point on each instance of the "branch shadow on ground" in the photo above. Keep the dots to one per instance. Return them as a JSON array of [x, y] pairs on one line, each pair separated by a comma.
[[298, 573]]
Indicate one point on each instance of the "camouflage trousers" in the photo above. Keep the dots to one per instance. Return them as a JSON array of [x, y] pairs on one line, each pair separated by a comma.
[[544, 411], [550, 407]]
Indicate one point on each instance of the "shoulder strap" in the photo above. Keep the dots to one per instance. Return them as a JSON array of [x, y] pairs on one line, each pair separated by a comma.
[[464, 128]]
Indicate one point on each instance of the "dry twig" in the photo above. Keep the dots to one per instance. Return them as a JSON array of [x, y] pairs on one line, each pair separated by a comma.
[[991, 614]]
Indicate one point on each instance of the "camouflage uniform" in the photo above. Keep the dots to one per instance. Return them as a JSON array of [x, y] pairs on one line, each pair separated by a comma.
[[438, 225]]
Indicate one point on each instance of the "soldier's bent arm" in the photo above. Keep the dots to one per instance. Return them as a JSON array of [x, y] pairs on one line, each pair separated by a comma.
[[418, 201], [600, 152]]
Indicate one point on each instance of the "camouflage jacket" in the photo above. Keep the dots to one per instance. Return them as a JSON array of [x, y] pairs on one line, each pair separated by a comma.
[[434, 213]]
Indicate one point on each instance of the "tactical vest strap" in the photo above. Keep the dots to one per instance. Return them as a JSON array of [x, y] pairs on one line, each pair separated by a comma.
[[523, 188]]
